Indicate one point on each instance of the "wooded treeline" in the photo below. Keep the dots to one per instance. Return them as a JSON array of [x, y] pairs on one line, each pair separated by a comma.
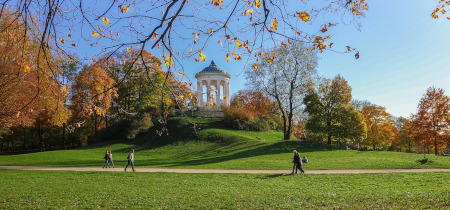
[[50, 101]]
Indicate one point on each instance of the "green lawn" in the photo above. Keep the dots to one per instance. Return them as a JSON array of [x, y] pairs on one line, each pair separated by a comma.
[[64, 189], [216, 147]]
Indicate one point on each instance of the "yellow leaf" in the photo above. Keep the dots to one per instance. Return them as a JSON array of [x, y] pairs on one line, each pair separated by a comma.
[[258, 3], [274, 24], [304, 16], [26, 69], [95, 34], [233, 53], [181, 74], [129, 49], [210, 31], [220, 42], [124, 9], [270, 59], [64, 91], [255, 65], [168, 61], [202, 56], [93, 60], [228, 57], [154, 35], [62, 40], [106, 21], [238, 44], [181, 96], [249, 12]]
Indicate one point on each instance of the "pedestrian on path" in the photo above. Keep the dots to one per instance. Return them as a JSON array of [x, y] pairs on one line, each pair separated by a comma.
[[106, 164], [297, 163], [110, 159], [130, 160]]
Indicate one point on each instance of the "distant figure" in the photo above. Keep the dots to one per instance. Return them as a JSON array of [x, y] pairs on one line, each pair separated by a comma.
[[305, 159], [297, 163], [130, 160], [110, 159], [357, 147], [106, 164]]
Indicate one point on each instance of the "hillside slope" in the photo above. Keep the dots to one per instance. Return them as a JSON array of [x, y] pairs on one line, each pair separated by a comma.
[[216, 147]]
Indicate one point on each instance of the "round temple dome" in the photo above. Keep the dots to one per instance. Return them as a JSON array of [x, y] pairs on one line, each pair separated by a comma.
[[213, 69]]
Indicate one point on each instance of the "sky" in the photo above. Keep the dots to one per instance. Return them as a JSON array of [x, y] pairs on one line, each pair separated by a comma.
[[403, 51]]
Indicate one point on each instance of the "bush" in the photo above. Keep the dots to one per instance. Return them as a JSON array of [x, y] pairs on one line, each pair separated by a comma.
[[243, 120]]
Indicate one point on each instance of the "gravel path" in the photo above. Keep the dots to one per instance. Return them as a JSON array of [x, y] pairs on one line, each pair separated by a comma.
[[220, 171]]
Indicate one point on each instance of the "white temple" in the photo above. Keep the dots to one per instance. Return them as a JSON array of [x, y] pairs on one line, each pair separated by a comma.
[[217, 90]]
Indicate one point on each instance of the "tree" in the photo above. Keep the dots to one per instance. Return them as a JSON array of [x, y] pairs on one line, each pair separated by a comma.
[[403, 139], [285, 77], [380, 128], [432, 121], [30, 94], [92, 94], [179, 29], [331, 113], [251, 110]]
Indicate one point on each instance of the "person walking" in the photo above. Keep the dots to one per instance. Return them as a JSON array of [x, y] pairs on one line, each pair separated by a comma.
[[296, 162], [130, 160], [300, 164], [110, 159], [106, 164]]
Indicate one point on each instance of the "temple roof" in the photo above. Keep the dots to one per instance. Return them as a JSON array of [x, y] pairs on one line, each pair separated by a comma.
[[213, 69]]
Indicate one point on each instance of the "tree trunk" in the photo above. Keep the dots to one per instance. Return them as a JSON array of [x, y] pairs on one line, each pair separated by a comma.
[[329, 132], [64, 136], [285, 134], [41, 141], [436, 152]]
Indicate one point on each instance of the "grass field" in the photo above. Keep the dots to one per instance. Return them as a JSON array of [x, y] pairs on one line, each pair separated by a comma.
[[58, 189], [216, 147]]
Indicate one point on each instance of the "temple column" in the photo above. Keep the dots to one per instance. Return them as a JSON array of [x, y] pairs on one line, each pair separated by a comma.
[[199, 94], [208, 92], [228, 92], [217, 93], [219, 99]]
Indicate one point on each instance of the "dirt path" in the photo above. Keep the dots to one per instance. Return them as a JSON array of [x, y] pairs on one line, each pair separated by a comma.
[[220, 171]]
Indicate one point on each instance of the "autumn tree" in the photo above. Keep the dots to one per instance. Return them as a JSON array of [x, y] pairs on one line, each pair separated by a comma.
[[251, 110], [92, 95], [331, 113], [180, 29], [31, 96], [285, 75], [431, 124], [380, 126]]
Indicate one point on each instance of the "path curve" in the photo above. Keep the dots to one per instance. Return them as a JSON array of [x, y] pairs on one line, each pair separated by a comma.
[[221, 171]]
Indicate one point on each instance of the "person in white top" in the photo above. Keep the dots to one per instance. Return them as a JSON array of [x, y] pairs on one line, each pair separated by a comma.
[[130, 160]]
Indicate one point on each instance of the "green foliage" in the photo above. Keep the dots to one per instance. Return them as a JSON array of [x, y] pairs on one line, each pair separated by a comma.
[[92, 190], [331, 113]]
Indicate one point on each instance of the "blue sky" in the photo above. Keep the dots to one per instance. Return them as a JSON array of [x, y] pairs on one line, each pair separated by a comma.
[[403, 51]]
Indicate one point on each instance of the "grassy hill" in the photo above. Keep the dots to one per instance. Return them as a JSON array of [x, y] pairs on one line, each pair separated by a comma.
[[215, 146]]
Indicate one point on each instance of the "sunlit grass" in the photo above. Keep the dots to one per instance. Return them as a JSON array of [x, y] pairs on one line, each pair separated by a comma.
[[215, 147], [63, 189]]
